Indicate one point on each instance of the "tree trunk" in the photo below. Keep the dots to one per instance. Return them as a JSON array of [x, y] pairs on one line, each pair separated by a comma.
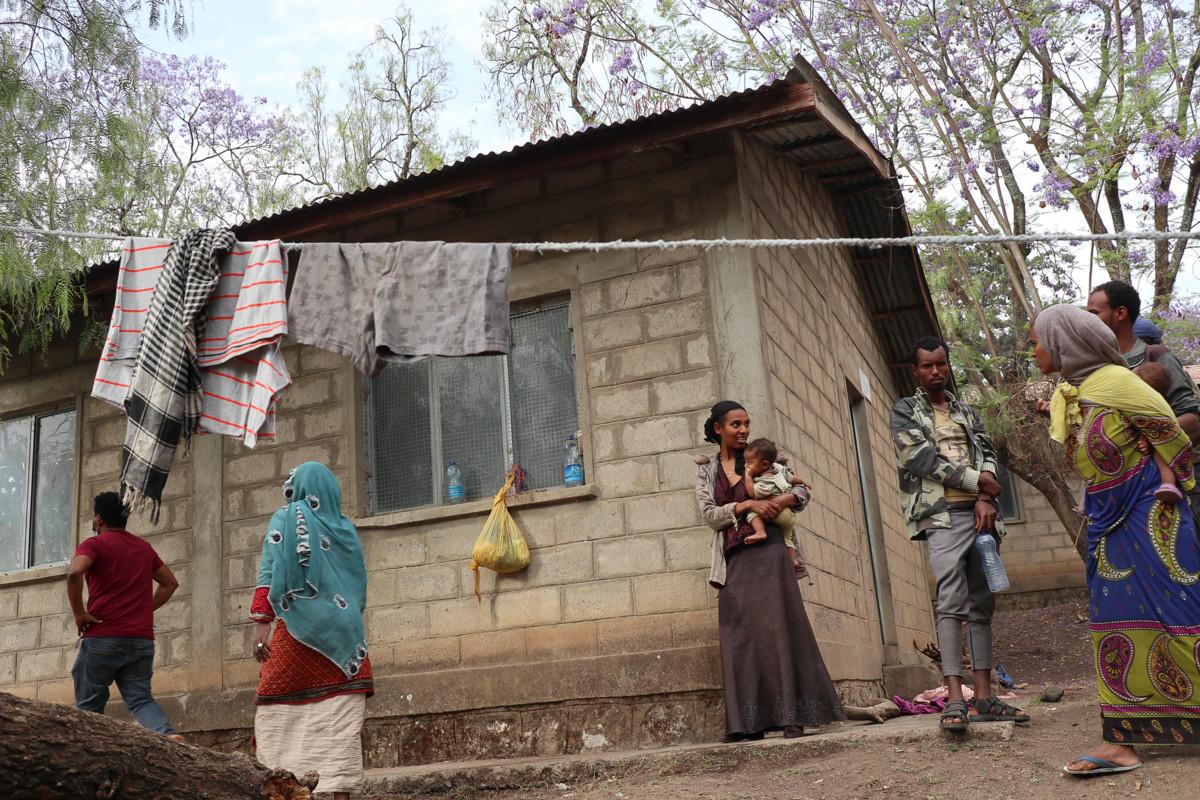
[[1064, 501], [1023, 445], [50, 751]]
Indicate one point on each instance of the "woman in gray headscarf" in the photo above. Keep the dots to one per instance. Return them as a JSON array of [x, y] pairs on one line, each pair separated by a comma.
[[1143, 567]]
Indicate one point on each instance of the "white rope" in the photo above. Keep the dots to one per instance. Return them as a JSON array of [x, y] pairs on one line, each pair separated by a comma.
[[869, 242], [61, 234], [709, 244]]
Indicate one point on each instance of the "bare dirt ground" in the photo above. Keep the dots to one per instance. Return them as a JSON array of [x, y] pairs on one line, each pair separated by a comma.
[[1037, 646], [1045, 645]]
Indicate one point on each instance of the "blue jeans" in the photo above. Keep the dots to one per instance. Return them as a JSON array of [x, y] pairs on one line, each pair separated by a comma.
[[129, 662]]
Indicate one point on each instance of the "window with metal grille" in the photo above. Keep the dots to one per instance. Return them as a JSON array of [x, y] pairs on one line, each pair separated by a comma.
[[1009, 501], [37, 489], [484, 413]]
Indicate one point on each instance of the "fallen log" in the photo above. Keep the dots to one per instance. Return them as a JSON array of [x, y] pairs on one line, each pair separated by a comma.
[[881, 711], [49, 751]]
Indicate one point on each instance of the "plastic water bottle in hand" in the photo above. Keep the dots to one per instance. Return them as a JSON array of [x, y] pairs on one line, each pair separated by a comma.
[[572, 464], [454, 485], [993, 566]]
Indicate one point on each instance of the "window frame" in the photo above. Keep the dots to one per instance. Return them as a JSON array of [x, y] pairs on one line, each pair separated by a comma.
[[36, 413], [364, 494]]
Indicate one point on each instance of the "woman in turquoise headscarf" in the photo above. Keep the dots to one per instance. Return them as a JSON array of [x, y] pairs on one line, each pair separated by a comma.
[[315, 674]]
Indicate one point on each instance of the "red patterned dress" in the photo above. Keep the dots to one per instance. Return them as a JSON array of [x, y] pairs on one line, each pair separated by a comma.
[[295, 673]]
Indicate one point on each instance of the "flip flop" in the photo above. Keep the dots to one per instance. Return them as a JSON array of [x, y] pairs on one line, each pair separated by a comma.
[[1102, 767]]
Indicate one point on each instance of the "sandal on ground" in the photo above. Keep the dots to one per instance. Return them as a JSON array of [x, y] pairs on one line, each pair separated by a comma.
[[954, 716], [1168, 493], [731, 738], [1102, 767], [991, 709], [793, 731]]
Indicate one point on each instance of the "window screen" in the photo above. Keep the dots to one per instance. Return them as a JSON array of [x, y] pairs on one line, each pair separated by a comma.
[[37, 490], [1009, 502], [484, 413]]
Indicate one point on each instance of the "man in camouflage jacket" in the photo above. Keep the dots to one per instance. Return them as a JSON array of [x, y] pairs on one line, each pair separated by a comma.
[[948, 478]]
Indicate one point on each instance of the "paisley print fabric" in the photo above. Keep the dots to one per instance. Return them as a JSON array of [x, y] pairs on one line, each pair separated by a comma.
[[1157, 429], [1167, 676], [1143, 583], [1114, 660], [1102, 451], [1164, 534]]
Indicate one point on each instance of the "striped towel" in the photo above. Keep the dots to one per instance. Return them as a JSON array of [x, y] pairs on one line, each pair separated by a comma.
[[240, 362], [242, 370]]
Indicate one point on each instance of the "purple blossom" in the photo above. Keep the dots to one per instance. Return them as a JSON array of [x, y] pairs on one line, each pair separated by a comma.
[[560, 28], [539, 13], [758, 16], [1163, 197], [1153, 58], [575, 6], [894, 75], [1038, 37], [1031, 93], [623, 62]]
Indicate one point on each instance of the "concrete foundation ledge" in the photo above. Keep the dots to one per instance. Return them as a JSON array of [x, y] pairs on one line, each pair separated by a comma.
[[464, 779]]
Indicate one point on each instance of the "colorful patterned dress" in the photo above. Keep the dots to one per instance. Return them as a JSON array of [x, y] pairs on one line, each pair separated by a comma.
[[1143, 576]]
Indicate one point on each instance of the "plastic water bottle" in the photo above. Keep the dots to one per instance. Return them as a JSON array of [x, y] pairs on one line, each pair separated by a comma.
[[572, 465], [993, 566], [454, 486]]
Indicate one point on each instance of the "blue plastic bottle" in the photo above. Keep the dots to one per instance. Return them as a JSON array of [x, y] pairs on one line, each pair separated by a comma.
[[572, 464], [454, 486], [993, 566]]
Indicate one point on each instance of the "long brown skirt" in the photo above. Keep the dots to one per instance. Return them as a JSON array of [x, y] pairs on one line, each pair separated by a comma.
[[774, 673]]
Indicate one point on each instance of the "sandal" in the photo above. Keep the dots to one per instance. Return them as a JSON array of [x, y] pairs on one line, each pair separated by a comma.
[[793, 731], [954, 716], [990, 709], [731, 738]]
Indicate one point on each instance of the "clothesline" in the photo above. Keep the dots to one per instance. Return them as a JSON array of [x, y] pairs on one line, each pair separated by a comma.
[[710, 244]]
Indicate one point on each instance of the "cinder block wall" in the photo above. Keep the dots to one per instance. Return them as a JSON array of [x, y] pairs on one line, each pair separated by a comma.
[[1039, 553], [609, 639], [817, 337], [37, 630]]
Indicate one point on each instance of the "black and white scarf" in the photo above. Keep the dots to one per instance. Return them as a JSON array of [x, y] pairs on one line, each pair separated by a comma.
[[164, 399]]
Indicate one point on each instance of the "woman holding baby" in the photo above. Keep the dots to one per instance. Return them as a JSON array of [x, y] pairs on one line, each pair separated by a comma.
[[775, 678]]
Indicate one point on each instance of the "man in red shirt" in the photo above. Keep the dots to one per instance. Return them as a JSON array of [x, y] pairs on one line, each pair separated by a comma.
[[117, 627]]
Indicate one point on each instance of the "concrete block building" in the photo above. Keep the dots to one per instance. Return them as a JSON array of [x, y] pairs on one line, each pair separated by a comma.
[[609, 639]]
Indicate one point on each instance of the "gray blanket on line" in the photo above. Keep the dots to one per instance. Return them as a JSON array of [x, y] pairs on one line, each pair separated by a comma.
[[397, 301]]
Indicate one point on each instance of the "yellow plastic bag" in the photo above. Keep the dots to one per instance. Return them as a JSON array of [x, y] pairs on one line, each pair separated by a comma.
[[501, 546]]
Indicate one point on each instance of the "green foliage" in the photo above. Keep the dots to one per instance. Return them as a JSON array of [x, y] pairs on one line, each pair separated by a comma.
[[57, 58]]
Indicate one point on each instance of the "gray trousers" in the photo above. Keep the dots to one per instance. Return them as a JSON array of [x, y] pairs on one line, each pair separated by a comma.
[[962, 594]]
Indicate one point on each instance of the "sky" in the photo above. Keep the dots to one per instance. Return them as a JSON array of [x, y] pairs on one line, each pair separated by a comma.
[[292, 35], [289, 36]]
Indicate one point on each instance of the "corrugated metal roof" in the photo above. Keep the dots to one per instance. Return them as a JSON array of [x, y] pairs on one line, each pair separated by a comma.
[[481, 161], [829, 145], [799, 117]]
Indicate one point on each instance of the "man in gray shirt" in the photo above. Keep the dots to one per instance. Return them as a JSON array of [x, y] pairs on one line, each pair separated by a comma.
[[1118, 305]]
